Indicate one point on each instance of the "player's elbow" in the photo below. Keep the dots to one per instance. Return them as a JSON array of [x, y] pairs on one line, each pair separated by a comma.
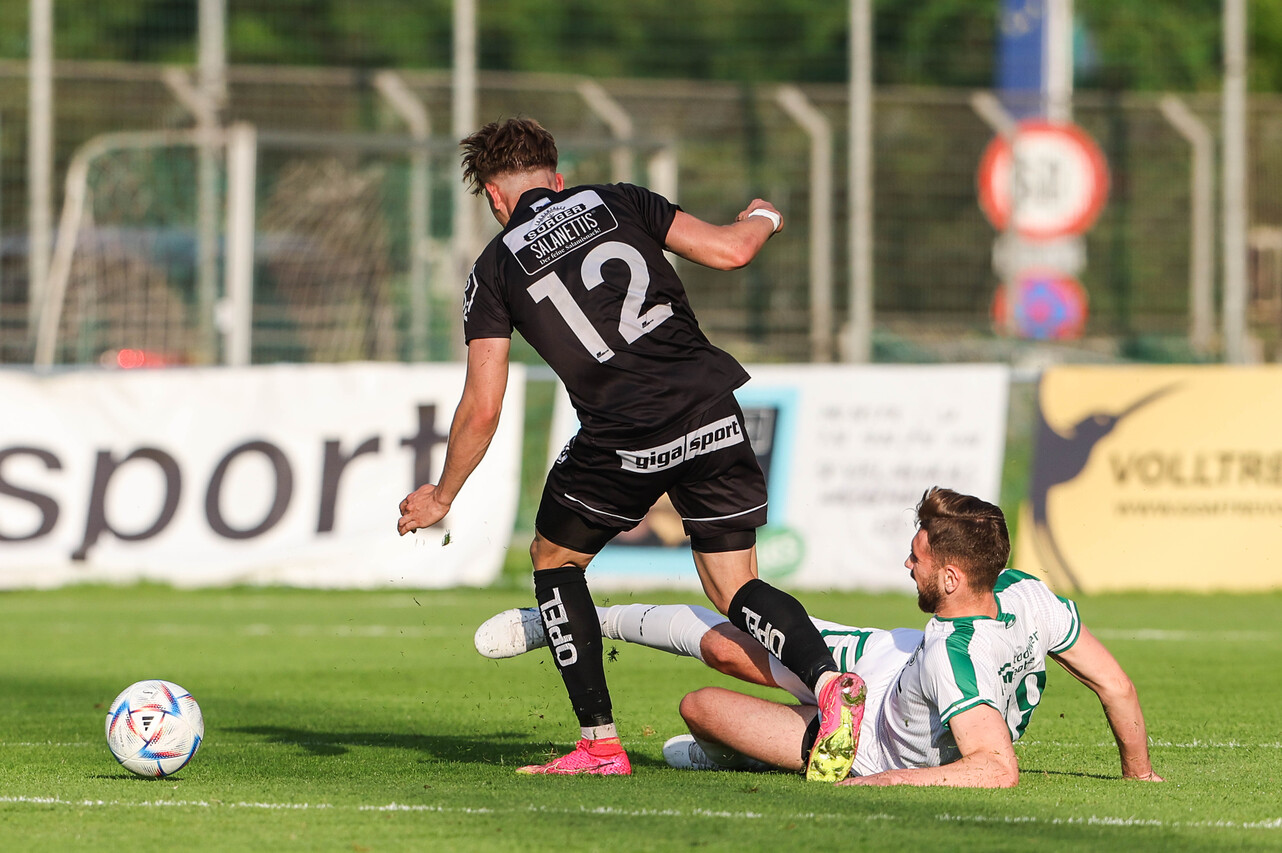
[[729, 252], [482, 416], [1007, 777], [1116, 690], [1001, 772], [489, 416], [737, 255]]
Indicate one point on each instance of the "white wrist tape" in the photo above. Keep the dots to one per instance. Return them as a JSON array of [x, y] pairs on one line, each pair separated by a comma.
[[768, 214]]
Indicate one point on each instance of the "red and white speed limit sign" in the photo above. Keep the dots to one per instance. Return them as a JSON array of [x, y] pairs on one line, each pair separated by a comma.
[[1056, 179]]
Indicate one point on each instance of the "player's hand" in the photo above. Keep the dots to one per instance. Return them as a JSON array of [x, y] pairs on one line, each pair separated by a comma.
[[760, 204], [421, 508], [1150, 776]]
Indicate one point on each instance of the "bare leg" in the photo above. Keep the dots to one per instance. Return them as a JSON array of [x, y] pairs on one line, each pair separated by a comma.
[[764, 730], [728, 650], [723, 573], [547, 555]]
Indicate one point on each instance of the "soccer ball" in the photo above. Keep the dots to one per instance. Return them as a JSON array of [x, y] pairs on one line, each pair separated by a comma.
[[154, 728]]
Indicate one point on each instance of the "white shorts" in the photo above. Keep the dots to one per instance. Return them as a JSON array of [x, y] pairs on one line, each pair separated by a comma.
[[874, 654]]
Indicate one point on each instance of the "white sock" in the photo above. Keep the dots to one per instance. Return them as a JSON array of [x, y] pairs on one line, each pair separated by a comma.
[[674, 628], [598, 732], [789, 681]]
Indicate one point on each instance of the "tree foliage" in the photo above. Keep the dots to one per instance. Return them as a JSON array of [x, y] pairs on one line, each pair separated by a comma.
[[1131, 44]]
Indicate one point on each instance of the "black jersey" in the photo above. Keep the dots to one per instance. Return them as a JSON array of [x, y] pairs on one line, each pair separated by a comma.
[[582, 276]]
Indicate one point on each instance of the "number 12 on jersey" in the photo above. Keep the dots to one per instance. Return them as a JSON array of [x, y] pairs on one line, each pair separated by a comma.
[[632, 323]]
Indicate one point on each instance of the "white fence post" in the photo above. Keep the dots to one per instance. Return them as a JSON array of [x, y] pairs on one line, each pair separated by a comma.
[[414, 113], [40, 157], [816, 126], [1234, 189], [617, 119], [859, 197], [463, 121], [1202, 230], [237, 314]]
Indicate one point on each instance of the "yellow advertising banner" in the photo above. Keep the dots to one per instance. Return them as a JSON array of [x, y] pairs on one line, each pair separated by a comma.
[[1163, 478]]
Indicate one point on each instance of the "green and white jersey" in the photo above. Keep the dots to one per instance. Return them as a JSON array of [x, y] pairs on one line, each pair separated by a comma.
[[962, 663]]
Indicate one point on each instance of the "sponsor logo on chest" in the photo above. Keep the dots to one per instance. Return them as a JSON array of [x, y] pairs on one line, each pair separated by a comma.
[[1022, 660]]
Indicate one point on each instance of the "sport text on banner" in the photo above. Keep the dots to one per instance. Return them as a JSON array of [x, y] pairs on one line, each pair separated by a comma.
[[288, 474]]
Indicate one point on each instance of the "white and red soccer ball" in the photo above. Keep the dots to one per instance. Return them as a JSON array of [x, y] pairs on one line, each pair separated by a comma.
[[154, 728]]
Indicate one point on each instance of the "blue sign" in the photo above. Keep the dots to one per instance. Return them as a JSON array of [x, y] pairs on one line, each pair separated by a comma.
[[1051, 307], [1021, 57]]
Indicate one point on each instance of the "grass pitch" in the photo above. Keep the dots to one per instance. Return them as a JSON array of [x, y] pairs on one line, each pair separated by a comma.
[[365, 721]]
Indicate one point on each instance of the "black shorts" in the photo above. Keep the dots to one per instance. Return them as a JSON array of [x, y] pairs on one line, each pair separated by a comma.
[[707, 467]]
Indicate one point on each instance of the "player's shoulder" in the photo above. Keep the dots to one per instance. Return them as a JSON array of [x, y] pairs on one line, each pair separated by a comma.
[[487, 265], [1029, 601], [1010, 577], [1012, 583], [945, 637], [602, 190], [631, 193], [625, 201]]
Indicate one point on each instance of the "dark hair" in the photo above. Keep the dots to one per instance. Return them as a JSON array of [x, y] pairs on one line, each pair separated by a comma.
[[965, 532], [504, 147]]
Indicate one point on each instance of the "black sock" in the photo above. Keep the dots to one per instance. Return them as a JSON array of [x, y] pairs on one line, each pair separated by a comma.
[[779, 622], [574, 635]]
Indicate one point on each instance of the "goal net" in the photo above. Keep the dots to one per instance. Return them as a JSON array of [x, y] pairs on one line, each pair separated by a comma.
[[141, 255], [126, 290]]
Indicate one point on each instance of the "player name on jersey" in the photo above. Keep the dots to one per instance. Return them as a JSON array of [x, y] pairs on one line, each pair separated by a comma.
[[558, 229]]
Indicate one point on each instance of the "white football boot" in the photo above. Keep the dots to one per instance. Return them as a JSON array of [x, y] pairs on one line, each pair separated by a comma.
[[686, 752], [511, 633]]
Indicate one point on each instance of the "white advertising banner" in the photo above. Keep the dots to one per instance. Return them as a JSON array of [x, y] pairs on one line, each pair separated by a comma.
[[847, 452], [284, 474]]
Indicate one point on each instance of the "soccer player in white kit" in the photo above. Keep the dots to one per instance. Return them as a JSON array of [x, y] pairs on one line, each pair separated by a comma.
[[944, 705]]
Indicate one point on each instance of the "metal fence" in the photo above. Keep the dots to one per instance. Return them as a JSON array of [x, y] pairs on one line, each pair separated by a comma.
[[342, 258]]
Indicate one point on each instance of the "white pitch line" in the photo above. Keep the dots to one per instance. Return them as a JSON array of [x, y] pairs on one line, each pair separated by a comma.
[[150, 804], [1095, 820], [1090, 820], [1164, 744], [259, 629]]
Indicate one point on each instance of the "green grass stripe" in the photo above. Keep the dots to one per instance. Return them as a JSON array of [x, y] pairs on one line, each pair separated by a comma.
[[365, 720]]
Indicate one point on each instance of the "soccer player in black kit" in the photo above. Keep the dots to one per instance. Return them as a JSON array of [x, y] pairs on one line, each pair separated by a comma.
[[580, 273]]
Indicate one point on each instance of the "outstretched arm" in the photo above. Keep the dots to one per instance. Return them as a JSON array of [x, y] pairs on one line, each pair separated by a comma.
[[988, 757], [1092, 664], [723, 247], [475, 420]]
